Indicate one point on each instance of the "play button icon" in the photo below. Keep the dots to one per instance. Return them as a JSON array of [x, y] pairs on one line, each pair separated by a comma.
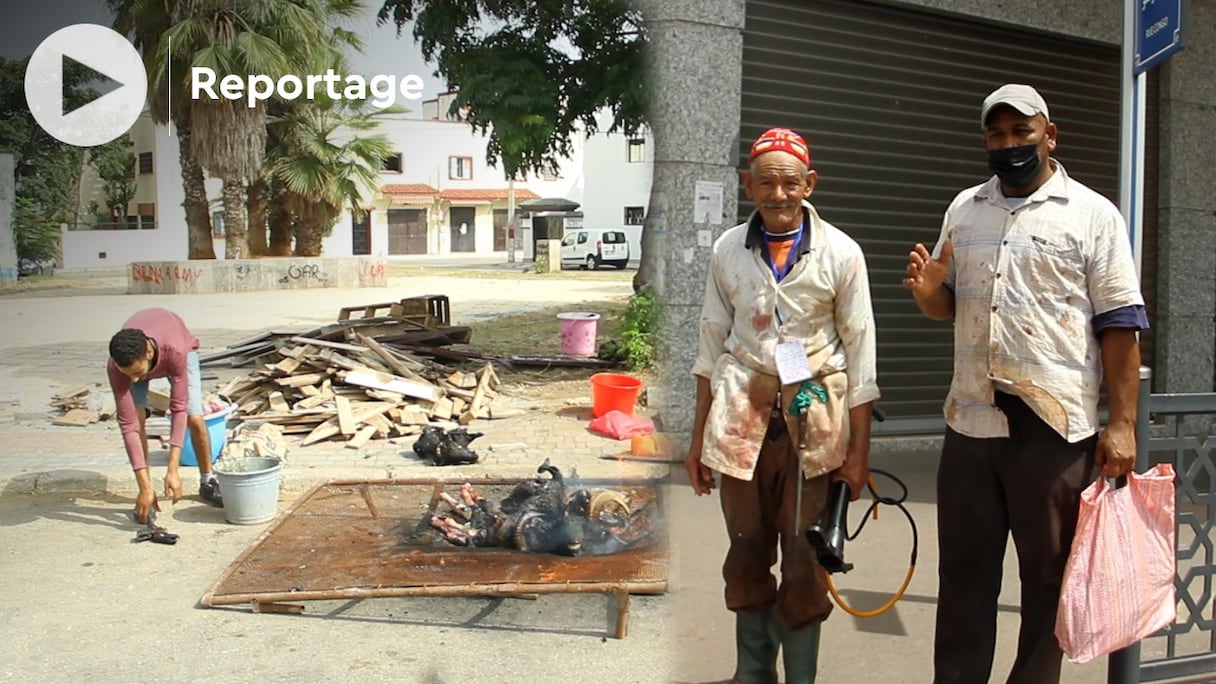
[[102, 51]]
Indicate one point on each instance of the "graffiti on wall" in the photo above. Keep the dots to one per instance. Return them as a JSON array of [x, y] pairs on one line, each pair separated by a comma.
[[159, 275]]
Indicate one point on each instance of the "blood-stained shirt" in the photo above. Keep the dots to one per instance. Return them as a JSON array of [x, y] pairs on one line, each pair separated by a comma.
[[1029, 277], [173, 342], [823, 302]]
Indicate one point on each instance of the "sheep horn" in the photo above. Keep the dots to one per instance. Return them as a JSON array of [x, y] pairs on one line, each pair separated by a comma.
[[607, 499]]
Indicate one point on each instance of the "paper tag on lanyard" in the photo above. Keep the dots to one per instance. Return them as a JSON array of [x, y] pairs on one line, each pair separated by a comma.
[[792, 366]]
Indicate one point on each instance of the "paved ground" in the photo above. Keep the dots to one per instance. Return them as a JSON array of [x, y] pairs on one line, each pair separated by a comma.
[[75, 584]]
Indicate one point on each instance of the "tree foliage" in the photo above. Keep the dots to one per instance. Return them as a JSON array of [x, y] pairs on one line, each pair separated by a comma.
[[531, 72], [115, 165], [325, 159], [47, 171]]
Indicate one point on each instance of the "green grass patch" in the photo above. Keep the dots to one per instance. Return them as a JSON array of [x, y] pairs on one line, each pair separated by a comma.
[[538, 333]]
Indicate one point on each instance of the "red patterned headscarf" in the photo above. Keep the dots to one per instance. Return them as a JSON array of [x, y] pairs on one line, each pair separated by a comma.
[[781, 140]]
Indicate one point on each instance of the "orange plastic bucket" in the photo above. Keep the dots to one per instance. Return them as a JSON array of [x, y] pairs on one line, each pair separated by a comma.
[[614, 392]]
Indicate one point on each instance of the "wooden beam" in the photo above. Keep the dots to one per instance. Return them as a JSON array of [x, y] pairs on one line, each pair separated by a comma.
[[332, 345]]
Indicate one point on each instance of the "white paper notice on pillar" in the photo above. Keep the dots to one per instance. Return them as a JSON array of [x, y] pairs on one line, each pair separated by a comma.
[[708, 205]]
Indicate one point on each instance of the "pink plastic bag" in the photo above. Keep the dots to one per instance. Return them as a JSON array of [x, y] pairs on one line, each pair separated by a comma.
[[620, 425], [1119, 581]]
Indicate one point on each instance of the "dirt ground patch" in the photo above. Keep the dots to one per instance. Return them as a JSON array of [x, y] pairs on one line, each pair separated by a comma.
[[536, 333]]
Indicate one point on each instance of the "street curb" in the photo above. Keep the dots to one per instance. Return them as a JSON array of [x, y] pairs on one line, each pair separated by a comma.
[[296, 479]]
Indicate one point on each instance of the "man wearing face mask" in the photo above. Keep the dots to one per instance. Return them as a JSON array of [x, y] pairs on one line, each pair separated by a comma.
[[785, 383], [1036, 270]]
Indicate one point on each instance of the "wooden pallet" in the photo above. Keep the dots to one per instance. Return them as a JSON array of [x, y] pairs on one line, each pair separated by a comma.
[[430, 310]]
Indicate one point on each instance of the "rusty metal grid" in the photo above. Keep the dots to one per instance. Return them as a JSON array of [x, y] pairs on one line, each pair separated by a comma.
[[361, 539]]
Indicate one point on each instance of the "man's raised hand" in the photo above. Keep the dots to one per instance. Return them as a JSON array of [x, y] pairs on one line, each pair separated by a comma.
[[926, 274]]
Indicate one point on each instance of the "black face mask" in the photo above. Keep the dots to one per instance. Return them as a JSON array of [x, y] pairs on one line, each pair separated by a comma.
[[1017, 166]]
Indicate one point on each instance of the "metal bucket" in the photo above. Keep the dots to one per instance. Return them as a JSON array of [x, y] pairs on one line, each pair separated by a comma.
[[250, 487]]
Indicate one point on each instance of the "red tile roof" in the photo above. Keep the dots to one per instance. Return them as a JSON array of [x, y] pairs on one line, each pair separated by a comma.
[[409, 189], [486, 194]]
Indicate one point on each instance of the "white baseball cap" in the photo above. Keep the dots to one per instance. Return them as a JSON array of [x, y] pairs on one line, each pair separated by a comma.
[[1021, 97]]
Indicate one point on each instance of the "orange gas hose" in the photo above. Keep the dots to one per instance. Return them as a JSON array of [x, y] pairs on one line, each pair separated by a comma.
[[879, 500]]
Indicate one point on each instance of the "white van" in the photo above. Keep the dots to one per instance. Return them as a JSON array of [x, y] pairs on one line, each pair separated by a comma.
[[590, 247]]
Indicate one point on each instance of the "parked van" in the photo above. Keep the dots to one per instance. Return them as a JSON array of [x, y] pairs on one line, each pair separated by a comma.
[[590, 247]]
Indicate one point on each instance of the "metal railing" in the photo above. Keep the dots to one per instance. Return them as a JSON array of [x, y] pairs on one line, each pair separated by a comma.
[[1179, 429]]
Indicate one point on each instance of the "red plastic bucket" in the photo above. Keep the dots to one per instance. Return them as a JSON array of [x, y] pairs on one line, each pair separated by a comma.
[[613, 392], [578, 330]]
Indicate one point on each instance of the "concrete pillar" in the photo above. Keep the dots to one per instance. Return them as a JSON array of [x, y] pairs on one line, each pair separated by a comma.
[[695, 118], [548, 256], [1186, 250], [8, 246]]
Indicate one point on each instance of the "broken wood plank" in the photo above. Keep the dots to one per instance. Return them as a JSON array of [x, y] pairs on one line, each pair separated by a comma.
[[73, 392], [382, 425], [476, 404], [384, 395], [332, 345], [361, 438], [392, 383], [442, 409], [301, 379], [346, 418], [396, 365], [76, 418], [287, 366], [323, 431], [278, 403], [330, 427], [313, 401]]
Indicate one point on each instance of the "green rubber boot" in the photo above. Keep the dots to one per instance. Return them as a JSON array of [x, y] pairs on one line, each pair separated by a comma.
[[800, 654], [756, 641]]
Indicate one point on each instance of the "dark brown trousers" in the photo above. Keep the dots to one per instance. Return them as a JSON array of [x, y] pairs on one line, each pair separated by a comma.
[[1028, 484], [760, 517]]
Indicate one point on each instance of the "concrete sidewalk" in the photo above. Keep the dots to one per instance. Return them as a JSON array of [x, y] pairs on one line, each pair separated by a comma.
[[54, 341]]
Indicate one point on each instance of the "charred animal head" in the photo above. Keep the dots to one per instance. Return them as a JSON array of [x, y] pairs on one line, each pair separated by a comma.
[[427, 444]]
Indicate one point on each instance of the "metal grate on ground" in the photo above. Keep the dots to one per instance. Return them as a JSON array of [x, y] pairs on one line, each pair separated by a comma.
[[370, 539]]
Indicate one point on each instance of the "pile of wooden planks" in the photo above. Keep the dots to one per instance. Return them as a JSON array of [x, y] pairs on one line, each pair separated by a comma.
[[358, 391], [79, 405], [413, 321]]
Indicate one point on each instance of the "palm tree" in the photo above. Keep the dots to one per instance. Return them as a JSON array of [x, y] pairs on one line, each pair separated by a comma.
[[145, 23], [324, 164], [270, 37]]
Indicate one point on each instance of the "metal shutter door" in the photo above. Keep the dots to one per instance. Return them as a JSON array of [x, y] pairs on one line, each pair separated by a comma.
[[889, 101]]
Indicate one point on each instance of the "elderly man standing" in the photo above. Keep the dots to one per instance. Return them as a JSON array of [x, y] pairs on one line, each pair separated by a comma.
[[785, 383], [1037, 271]]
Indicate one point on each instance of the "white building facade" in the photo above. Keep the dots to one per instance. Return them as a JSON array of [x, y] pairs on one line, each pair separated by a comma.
[[437, 196]]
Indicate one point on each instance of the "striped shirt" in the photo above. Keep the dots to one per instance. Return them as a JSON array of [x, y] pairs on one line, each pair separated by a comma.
[[1028, 279]]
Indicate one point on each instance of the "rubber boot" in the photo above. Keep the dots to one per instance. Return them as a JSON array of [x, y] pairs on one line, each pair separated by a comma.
[[756, 643], [800, 653]]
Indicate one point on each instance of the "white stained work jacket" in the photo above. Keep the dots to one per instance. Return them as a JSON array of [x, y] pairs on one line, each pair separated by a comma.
[[823, 302]]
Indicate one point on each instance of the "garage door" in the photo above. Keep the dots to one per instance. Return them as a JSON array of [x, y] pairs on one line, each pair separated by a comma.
[[889, 100], [407, 231]]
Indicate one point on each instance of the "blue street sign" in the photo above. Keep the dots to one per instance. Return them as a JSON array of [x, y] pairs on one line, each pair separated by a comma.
[[1158, 32]]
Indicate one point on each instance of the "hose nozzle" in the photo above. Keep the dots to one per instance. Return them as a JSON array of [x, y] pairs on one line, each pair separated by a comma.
[[828, 534]]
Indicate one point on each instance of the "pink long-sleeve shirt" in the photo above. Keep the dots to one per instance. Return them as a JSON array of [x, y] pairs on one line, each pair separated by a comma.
[[173, 342]]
